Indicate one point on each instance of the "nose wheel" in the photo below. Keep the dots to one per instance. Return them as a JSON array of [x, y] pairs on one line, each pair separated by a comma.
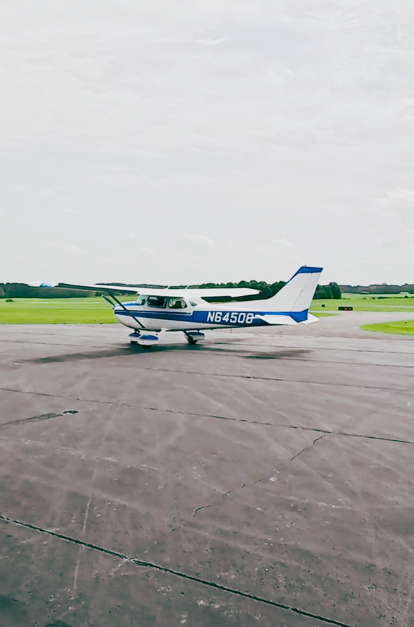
[[146, 340]]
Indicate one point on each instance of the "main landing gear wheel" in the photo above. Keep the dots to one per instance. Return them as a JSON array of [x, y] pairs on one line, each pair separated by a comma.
[[192, 337]]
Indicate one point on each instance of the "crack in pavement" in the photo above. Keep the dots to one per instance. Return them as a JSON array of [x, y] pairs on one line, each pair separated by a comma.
[[213, 416], [308, 447], [198, 509], [171, 571], [38, 418]]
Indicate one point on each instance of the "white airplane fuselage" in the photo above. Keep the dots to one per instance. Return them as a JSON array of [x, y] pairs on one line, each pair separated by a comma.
[[197, 316]]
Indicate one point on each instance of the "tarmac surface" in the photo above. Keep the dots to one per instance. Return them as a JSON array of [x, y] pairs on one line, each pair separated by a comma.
[[259, 478]]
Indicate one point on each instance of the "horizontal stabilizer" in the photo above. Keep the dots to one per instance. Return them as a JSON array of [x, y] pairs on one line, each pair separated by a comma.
[[276, 319], [310, 319]]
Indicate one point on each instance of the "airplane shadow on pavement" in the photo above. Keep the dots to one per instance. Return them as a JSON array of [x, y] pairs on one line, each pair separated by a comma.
[[138, 350]]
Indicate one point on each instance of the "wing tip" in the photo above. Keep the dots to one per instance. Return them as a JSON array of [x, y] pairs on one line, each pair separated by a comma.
[[41, 284]]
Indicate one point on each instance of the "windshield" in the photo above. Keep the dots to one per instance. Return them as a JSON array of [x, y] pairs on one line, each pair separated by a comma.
[[141, 300]]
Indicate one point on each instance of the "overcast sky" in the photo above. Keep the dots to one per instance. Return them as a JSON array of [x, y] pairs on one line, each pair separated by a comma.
[[219, 140]]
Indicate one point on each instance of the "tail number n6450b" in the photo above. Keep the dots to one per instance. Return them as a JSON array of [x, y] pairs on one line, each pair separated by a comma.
[[233, 317]]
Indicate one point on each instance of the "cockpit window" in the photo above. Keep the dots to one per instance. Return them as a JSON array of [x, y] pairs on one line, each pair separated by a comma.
[[141, 300], [156, 301], [177, 303]]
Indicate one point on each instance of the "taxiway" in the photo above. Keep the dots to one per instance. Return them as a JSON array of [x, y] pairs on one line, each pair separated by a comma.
[[260, 476]]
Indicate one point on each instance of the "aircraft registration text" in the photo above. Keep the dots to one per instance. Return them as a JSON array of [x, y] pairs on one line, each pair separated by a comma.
[[233, 317]]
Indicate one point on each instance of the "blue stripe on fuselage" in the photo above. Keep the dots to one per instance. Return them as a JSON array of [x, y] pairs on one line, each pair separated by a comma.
[[202, 317]]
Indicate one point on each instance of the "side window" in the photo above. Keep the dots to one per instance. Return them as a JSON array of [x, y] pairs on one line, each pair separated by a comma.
[[177, 303], [156, 301], [193, 303]]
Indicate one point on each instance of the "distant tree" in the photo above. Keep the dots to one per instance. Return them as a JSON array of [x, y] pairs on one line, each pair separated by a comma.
[[323, 292], [276, 287], [336, 292], [267, 292]]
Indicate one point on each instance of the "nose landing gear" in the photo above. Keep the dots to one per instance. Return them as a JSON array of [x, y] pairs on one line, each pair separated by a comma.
[[146, 340]]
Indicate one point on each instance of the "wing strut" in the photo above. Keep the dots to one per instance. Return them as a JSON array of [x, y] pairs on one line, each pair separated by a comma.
[[123, 307]]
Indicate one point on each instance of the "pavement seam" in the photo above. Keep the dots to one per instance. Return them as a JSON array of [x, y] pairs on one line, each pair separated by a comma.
[[170, 571], [213, 416], [274, 379]]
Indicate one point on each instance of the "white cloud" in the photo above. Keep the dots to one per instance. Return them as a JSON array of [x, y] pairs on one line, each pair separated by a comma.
[[398, 204], [122, 179], [131, 236], [283, 244], [209, 42], [66, 249], [147, 252], [277, 248], [198, 240]]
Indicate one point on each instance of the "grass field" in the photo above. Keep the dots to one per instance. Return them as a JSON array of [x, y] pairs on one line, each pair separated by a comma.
[[400, 328], [97, 311], [59, 311], [366, 303]]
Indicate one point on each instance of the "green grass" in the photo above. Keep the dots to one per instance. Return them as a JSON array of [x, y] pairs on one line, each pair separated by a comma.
[[366, 303], [96, 310], [402, 327], [59, 311]]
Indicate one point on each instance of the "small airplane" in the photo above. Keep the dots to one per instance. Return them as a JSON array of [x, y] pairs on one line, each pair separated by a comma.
[[186, 310]]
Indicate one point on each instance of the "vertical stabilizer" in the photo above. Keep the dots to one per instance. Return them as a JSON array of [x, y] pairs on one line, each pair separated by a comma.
[[296, 296]]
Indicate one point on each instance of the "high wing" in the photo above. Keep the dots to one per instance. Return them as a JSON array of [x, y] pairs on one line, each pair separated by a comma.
[[227, 292], [231, 292], [90, 288]]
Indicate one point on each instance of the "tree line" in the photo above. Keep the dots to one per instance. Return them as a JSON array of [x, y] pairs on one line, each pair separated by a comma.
[[21, 290], [384, 288]]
